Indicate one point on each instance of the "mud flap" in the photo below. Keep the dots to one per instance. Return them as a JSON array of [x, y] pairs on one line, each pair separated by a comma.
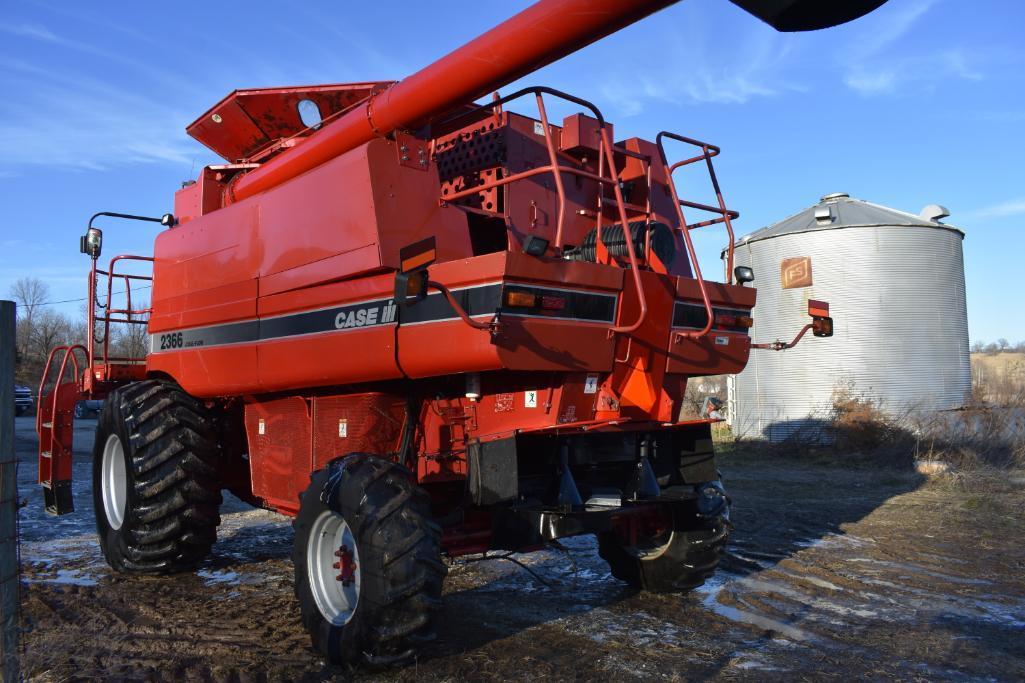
[[697, 459], [57, 498], [493, 472]]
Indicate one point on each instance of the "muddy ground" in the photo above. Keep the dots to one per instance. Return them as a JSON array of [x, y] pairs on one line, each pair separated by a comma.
[[833, 572]]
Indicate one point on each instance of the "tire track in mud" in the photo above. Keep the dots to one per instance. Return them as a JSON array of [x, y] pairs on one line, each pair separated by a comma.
[[830, 573]]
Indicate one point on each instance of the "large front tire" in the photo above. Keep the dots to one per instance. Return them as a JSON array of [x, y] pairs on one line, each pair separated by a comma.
[[368, 569], [156, 492]]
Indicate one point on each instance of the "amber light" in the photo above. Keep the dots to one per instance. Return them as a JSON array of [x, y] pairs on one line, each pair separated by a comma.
[[415, 286], [520, 299]]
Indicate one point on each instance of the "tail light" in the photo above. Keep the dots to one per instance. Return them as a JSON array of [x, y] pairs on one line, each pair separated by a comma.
[[553, 303], [517, 299], [726, 320]]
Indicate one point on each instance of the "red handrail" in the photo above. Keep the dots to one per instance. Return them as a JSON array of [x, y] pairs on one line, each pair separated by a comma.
[[109, 316], [69, 351], [707, 152], [556, 169]]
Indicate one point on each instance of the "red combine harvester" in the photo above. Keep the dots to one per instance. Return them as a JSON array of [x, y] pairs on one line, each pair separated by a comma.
[[422, 327]]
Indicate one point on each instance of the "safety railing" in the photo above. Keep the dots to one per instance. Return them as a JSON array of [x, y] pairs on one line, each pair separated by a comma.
[[102, 313], [605, 159], [725, 216], [69, 355]]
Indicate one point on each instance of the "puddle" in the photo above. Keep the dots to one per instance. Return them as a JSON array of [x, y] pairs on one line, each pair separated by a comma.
[[714, 586], [917, 569], [66, 577]]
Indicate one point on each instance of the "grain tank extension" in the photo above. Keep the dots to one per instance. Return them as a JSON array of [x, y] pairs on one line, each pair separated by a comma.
[[423, 327]]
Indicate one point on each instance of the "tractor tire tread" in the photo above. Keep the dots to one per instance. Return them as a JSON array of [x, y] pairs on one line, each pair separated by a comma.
[[172, 520]]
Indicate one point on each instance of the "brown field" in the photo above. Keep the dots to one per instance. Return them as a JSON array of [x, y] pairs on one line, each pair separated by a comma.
[[998, 377]]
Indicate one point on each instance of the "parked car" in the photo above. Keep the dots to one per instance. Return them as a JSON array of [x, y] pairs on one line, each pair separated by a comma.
[[23, 402], [84, 409]]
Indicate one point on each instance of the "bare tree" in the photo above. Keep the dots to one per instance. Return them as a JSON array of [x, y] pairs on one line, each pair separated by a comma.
[[131, 340], [29, 293], [1002, 344], [50, 328]]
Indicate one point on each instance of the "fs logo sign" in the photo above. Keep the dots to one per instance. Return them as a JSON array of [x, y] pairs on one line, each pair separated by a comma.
[[795, 272]]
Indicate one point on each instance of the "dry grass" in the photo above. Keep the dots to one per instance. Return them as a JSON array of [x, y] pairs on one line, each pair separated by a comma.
[[980, 440]]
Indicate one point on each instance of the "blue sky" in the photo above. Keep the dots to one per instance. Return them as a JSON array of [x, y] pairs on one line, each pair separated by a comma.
[[921, 102]]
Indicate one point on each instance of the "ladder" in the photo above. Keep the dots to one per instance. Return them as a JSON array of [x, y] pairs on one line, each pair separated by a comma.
[[55, 427]]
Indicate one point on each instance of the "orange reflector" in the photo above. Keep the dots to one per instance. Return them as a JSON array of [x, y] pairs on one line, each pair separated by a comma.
[[415, 286], [745, 321], [418, 255], [520, 299], [818, 308], [414, 262]]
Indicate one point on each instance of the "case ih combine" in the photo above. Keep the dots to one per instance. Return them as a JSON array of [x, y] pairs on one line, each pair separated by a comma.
[[422, 327]]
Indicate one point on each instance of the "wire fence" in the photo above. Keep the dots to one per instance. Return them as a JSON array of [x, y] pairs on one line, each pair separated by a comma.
[[10, 560]]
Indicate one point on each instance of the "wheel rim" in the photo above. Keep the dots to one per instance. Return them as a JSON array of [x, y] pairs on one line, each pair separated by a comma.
[[114, 482], [332, 561]]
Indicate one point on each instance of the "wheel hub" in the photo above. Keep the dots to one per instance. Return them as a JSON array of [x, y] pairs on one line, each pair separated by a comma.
[[346, 566], [332, 562], [114, 482]]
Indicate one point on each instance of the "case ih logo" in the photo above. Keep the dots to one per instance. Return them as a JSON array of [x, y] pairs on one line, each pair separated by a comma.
[[795, 272], [362, 317]]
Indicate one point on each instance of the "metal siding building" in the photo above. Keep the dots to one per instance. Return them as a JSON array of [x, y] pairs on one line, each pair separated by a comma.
[[895, 285]]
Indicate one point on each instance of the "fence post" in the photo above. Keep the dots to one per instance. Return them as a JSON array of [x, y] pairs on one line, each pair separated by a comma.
[[10, 599]]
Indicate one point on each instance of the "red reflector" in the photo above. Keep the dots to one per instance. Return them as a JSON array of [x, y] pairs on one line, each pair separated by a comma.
[[725, 320], [553, 303]]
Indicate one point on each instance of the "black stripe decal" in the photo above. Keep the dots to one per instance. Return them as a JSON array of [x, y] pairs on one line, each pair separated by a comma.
[[694, 316], [475, 301], [484, 300]]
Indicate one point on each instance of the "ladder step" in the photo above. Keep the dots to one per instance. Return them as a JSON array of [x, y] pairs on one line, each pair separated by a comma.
[[47, 425], [45, 454]]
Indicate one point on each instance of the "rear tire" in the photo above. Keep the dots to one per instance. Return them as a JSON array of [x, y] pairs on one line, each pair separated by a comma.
[[156, 492], [383, 610], [680, 560]]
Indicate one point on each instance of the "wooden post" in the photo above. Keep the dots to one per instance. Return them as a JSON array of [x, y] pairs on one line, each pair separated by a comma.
[[10, 598]]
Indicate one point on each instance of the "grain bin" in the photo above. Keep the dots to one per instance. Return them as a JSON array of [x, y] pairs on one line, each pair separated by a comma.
[[895, 285]]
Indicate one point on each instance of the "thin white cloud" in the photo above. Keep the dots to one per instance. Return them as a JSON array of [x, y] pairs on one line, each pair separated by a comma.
[[72, 122], [694, 71], [882, 29], [31, 31], [869, 82], [875, 61], [1013, 207]]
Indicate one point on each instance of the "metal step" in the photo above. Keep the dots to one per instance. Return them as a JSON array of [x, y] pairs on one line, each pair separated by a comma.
[[47, 425], [45, 454]]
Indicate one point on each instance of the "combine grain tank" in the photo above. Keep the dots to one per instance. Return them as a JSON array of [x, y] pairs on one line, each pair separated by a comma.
[[895, 282]]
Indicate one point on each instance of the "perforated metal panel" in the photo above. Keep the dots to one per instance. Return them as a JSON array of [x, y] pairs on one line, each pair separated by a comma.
[[279, 450], [356, 423]]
